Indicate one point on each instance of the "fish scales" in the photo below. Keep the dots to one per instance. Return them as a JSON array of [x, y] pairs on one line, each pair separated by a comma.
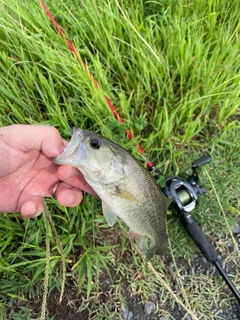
[[126, 188], [145, 190]]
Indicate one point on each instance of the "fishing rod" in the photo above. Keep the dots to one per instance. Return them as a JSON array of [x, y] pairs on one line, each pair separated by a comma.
[[185, 193]]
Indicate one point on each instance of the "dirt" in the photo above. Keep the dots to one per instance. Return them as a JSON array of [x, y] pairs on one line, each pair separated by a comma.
[[67, 309]]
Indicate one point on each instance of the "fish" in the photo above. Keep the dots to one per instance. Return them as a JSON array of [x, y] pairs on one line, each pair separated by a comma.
[[127, 189]]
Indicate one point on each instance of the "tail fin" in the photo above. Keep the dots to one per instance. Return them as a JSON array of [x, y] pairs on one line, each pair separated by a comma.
[[156, 249]]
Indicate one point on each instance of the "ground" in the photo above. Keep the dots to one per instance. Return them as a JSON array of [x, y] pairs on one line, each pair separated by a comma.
[[135, 305]]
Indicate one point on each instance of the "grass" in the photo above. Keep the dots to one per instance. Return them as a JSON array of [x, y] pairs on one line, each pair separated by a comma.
[[171, 69]]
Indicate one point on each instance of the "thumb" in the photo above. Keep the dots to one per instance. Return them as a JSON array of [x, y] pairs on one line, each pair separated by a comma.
[[33, 137]]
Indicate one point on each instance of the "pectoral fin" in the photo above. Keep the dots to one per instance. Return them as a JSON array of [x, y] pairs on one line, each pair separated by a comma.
[[109, 214], [124, 194]]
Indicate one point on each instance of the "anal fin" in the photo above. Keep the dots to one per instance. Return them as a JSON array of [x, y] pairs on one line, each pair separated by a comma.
[[140, 241]]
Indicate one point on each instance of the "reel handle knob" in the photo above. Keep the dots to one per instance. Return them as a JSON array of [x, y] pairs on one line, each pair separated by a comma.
[[201, 161]]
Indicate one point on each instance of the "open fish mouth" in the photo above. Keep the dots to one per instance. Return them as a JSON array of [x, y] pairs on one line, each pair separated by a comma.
[[72, 147]]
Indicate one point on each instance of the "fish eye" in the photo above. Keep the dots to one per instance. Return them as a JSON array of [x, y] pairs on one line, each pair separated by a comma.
[[95, 143]]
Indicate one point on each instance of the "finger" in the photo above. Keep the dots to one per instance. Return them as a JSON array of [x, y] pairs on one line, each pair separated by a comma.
[[64, 172], [30, 137], [74, 178], [68, 196], [33, 207]]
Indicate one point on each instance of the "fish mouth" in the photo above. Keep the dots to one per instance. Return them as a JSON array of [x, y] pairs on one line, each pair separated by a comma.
[[72, 147]]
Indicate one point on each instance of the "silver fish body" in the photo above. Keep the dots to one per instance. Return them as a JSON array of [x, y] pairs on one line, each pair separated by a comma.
[[126, 188]]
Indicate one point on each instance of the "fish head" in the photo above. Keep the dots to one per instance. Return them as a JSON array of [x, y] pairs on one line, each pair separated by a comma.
[[91, 154]]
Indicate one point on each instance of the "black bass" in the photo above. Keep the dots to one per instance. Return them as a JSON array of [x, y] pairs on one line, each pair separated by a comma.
[[126, 188]]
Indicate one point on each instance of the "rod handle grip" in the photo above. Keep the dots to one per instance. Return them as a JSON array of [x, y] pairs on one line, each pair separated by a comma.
[[195, 232]]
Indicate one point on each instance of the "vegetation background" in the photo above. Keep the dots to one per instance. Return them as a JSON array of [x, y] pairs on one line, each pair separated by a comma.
[[171, 69]]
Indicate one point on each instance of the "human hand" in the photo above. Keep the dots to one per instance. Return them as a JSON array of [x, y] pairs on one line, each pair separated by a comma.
[[28, 174]]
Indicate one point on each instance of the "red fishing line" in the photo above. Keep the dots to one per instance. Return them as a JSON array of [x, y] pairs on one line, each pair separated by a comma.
[[71, 47]]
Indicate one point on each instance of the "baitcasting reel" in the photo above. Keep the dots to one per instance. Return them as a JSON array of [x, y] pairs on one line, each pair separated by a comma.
[[185, 194]]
